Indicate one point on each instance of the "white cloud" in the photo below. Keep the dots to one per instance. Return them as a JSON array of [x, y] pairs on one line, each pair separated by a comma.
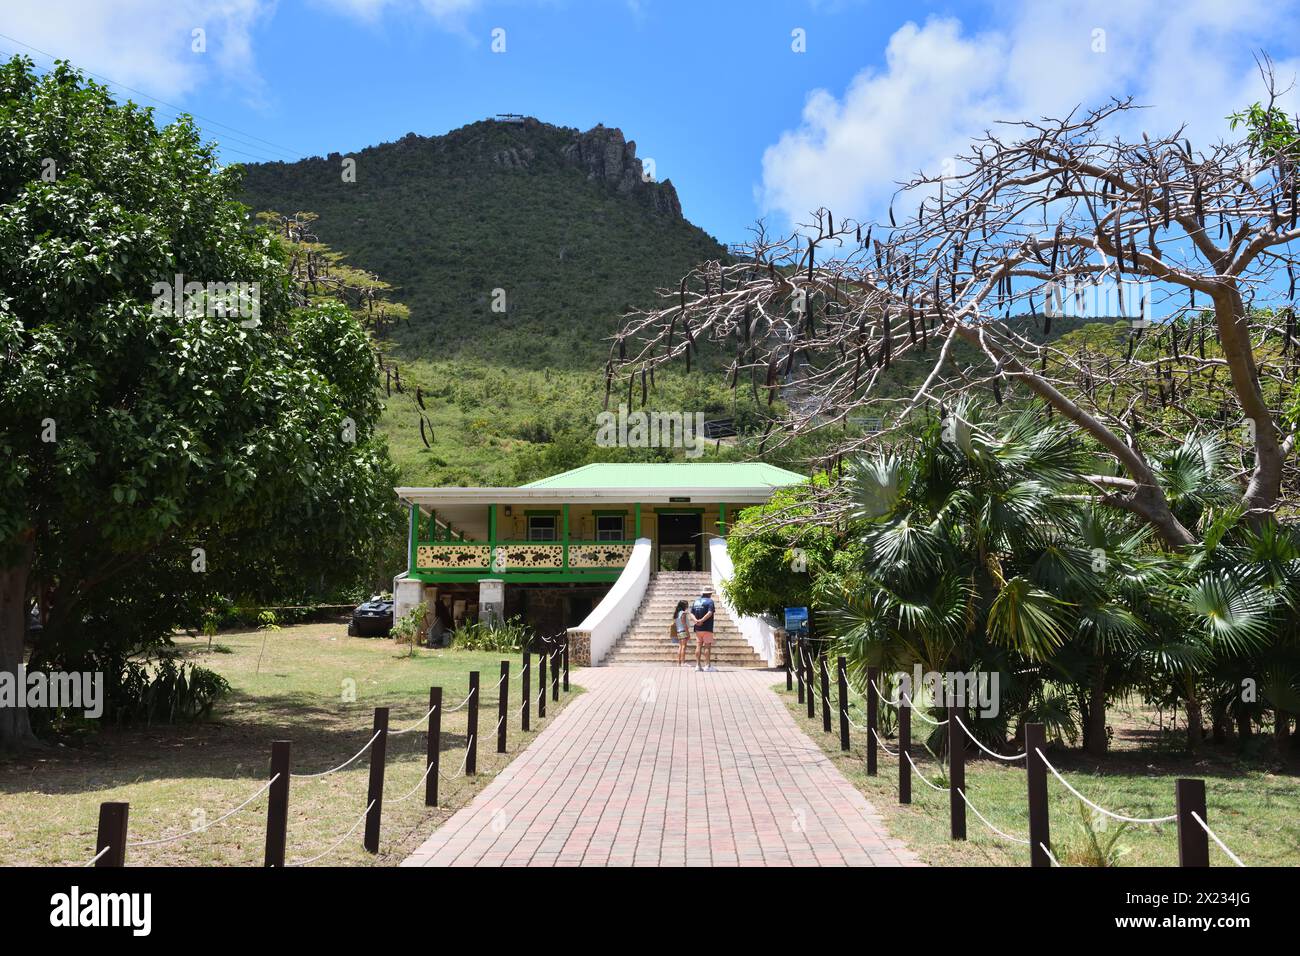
[[942, 84], [145, 44]]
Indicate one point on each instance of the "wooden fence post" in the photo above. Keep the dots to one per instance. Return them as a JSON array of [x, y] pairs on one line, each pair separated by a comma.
[[826, 693], [1036, 773], [375, 793], [1193, 841], [904, 750], [471, 738], [956, 776], [873, 718], [433, 747], [277, 805], [503, 698], [555, 674], [789, 675], [541, 684], [842, 687], [525, 690], [112, 834], [809, 680], [797, 663], [565, 651]]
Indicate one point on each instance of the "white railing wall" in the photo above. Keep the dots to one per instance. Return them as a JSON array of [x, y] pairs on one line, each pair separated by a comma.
[[617, 609], [757, 631]]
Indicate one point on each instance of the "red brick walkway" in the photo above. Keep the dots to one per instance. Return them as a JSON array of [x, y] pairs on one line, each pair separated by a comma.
[[662, 766]]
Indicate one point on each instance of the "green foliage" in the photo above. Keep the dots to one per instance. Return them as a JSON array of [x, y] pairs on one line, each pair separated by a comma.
[[158, 691], [1095, 840], [508, 636], [776, 557], [410, 627], [173, 429]]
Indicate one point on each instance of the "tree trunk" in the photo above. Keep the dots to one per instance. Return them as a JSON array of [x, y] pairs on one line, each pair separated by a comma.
[[1244, 727], [15, 727], [1094, 733], [1194, 734]]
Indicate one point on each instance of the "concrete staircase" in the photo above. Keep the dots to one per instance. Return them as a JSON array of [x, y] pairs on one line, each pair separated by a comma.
[[646, 640]]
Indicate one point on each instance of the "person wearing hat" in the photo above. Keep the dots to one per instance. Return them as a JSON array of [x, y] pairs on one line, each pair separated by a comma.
[[702, 617]]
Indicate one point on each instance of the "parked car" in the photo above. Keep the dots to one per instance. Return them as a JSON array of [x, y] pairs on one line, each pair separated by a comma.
[[374, 618]]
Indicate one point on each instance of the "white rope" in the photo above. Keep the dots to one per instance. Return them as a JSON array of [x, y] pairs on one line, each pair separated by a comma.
[[1222, 846], [1101, 809], [95, 859], [206, 826], [1005, 836], [991, 753], [417, 724], [922, 714], [462, 703], [463, 761], [921, 775], [326, 773], [891, 703], [423, 777], [340, 840], [1043, 846], [882, 744]]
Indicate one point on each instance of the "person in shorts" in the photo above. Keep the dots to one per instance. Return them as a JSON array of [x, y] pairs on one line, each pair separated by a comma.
[[681, 631], [702, 618]]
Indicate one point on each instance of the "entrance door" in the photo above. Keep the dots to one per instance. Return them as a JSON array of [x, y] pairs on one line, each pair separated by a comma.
[[680, 534]]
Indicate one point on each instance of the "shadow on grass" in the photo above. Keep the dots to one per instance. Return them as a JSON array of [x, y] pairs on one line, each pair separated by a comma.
[[234, 744]]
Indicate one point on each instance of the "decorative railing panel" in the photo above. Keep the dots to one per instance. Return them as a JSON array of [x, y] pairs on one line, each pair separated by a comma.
[[602, 554], [521, 556], [452, 556]]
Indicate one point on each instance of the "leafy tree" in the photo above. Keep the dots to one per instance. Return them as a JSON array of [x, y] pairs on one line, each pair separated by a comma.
[[777, 558], [133, 432]]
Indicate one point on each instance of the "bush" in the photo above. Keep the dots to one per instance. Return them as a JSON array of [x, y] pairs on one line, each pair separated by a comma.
[[511, 635]]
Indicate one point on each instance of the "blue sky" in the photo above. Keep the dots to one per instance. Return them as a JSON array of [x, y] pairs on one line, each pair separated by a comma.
[[714, 92]]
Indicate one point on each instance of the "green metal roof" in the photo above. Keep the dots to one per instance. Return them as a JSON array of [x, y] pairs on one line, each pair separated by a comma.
[[673, 475]]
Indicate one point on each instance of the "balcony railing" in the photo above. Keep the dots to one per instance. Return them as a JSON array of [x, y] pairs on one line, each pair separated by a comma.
[[480, 557]]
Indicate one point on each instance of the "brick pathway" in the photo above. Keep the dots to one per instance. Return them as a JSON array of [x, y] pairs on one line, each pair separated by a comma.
[[662, 766]]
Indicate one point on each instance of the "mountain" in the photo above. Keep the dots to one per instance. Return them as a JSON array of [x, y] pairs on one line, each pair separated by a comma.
[[565, 224], [562, 221]]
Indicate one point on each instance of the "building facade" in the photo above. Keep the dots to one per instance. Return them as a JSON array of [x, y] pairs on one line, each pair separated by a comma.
[[550, 551]]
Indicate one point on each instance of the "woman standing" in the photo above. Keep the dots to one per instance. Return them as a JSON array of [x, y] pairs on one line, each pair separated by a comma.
[[681, 626]]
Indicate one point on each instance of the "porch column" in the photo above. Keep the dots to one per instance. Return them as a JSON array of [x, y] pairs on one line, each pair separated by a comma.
[[637, 512], [492, 537], [412, 534], [565, 522], [722, 520]]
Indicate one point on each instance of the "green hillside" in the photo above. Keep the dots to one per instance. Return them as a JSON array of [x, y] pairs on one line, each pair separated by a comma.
[[564, 224]]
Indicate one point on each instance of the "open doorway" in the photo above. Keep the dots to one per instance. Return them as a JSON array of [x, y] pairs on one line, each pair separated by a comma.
[[681, 541]]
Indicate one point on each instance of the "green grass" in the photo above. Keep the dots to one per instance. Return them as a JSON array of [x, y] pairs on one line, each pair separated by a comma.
[[1251, 805], [178, 777]]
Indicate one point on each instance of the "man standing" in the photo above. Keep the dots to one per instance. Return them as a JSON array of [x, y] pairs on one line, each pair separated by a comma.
[[702, 618]]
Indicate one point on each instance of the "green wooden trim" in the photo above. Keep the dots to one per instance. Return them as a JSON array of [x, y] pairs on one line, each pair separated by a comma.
[[722, 519], [492, 524], [677, 510], [542, 512], [415, 536], [564, 555], [637, 534], [609, 513], [594, 575]]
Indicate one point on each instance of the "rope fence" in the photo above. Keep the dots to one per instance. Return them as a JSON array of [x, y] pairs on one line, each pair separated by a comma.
[[802, 671], [111, 837]]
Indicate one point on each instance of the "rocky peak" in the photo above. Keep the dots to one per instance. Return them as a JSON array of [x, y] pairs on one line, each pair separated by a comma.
[[604, 154]]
